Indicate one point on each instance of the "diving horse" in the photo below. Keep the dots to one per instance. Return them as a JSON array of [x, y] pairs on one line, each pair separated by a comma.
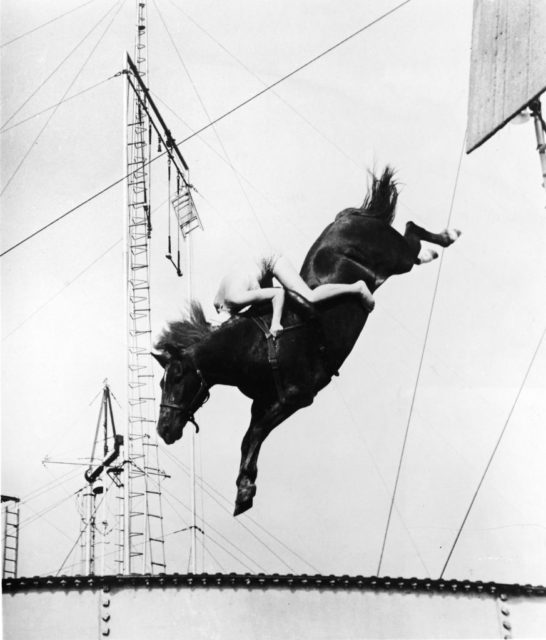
[[281, 375]]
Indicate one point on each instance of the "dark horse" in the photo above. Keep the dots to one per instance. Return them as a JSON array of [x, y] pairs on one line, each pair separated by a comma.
[[284, 375]]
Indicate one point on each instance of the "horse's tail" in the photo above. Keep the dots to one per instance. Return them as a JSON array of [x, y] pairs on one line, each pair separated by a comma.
[[186, 332], [380, 201]]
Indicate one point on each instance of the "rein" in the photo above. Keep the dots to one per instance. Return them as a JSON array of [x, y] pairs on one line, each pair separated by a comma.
[[198, 401]]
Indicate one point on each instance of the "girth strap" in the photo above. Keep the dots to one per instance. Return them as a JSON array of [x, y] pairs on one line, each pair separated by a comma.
[[272, 357], [273, 351]]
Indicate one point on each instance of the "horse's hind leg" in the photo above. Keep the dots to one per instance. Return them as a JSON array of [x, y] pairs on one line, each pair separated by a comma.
[[264, 420], [444, 238], [414, 234]]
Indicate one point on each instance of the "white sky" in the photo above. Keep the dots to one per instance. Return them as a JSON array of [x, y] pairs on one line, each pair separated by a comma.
[[396, 94]]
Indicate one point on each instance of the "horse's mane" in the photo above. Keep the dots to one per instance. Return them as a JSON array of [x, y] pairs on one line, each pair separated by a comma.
[[380, 201], [186, 332]]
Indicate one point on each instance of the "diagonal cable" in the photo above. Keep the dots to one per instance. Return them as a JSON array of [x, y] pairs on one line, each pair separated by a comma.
[[58, 293], [419, 368], [44, 127], [41, 26], [298, 113], [74, 95], [493, 452], [78, 45], [205, 111], [180, 464], [201, 129]]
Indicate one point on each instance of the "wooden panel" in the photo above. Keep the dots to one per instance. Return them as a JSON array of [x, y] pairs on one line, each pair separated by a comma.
[[508, 63]]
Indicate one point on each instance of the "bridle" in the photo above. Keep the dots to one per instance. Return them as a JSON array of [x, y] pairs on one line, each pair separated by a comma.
[[201, 396]]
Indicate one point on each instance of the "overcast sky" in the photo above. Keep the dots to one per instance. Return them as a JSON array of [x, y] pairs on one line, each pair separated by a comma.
[[295, 157]]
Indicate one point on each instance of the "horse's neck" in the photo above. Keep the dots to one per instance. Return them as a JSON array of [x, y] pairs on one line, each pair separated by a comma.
[[219, 357]]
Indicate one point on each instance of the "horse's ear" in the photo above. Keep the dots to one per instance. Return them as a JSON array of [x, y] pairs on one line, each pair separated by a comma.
[[162, 358]]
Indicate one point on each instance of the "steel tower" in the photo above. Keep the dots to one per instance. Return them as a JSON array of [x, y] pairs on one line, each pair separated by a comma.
[[142, 537]]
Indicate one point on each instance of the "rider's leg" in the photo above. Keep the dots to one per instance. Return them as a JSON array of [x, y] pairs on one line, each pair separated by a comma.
[[235, 300], [287, 275]]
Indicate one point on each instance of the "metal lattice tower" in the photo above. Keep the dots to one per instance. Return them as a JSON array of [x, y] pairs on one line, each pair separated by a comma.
[[142, 538], [10, 539]]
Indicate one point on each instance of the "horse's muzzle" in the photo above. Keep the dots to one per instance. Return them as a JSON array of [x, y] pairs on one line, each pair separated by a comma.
[[171, 423]]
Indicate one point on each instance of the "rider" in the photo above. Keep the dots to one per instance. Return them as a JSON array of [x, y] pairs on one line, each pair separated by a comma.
[[241, 287]]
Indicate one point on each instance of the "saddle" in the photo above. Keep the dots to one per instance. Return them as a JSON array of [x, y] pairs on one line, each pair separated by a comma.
[[309, 317]]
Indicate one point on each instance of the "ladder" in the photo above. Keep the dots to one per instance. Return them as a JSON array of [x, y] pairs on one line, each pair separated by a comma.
[[186, 212], [10, 514], [141, 543]]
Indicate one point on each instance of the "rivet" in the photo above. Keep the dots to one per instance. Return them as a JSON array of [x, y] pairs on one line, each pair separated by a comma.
[[503, 597], [505, 611], [106, 603], [106, 618], [506, 624]]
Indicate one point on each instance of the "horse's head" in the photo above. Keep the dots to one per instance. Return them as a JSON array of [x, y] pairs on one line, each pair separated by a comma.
[[183, 391]]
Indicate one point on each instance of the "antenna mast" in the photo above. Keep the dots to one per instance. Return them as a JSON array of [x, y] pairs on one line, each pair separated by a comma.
[[142, 537]]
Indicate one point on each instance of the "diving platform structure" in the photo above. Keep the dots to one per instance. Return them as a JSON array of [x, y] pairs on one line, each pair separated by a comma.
[[276, 607]]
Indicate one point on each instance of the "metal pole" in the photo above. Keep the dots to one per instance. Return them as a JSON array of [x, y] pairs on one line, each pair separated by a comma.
[[126, 442], [193, 503], [541, 142], [89, 549]]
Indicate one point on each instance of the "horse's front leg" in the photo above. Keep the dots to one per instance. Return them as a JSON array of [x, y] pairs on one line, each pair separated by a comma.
[[414, 234], [264, 420]]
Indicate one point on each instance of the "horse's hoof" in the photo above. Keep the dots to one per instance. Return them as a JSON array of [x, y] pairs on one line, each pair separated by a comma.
[[241, 507], [426, 255], [452, 235], [245, 495]]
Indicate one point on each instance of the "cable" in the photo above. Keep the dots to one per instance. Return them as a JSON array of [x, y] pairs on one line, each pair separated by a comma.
[[38, 514], [55, 70], [205, 111], [208, 525], [297, 70], [35, 141], [382, 478], [5, 44], [75, 95], [493, 453], [97, 505], [246, 516], [264, 83], [419, 368], [186, 471], [84, 270], [203, 128], [35, 493], [264, 197], [78, 206]]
